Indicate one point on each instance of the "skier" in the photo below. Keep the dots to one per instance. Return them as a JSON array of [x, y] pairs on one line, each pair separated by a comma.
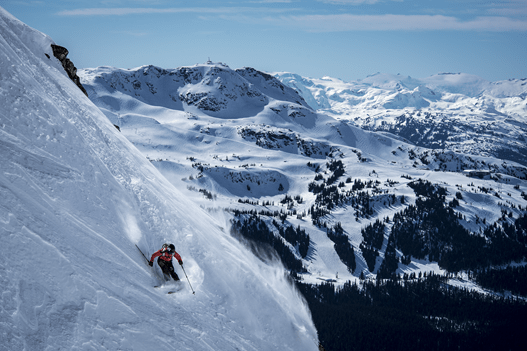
[[165, 260]]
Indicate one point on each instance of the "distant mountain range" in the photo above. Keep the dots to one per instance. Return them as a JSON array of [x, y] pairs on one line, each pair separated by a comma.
[[454, 111]]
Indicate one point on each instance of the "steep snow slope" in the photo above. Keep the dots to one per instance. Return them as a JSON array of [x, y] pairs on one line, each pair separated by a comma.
[[75, 198], [459, 112]]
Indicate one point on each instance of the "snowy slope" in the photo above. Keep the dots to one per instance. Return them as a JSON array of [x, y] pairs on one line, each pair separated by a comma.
[[459, 112], [76, 196]]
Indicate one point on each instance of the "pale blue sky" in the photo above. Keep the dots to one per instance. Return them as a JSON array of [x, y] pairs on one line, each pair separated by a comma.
[[347, 39]]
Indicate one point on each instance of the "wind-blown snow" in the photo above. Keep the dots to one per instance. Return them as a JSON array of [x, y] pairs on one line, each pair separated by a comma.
[[75, 198]]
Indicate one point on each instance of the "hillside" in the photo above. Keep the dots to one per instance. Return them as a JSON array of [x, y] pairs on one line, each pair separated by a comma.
[[76, 196]]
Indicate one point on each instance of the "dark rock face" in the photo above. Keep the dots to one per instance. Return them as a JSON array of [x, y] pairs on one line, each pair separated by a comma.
[[60, 53]]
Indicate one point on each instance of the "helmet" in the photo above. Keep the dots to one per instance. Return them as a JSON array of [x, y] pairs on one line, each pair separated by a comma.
[[171, 247]]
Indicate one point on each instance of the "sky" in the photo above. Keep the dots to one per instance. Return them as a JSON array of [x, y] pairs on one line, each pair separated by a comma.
[[346, 39]]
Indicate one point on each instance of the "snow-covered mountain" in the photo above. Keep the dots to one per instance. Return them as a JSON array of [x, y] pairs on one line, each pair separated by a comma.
[[76, 197], [236, 169], [336, 203], [458, 112], [269, 157]]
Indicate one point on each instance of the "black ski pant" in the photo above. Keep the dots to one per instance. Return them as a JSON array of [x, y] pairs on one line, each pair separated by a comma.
[[167, 268]]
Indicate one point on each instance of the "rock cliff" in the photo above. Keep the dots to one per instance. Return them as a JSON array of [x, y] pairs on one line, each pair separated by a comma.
[[61, 54]]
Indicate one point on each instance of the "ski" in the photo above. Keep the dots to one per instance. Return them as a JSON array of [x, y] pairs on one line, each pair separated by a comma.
[[168, 292]]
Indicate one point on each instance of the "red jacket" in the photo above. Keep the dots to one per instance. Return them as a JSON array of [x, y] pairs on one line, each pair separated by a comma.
[[165, 255]]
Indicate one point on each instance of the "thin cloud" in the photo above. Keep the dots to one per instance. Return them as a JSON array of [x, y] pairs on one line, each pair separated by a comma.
[[348, 22], [124, 11], [350, 2], [30, 3], [508, 8], [131, 33], [270, 1], [326, 23]]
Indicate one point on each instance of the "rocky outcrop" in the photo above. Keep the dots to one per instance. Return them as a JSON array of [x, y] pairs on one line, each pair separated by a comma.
[[60, 53]]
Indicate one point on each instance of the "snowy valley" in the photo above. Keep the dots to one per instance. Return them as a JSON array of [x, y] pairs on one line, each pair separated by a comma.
[[280, 157]]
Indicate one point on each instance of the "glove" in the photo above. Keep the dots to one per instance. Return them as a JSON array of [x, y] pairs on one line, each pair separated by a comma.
[[180, 262], [151, 263]]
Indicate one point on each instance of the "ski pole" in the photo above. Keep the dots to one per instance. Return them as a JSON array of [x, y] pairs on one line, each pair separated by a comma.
[[147, 260], [193, 292]]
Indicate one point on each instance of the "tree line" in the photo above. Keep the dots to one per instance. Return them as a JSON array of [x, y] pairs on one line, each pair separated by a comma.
[[421, 314]]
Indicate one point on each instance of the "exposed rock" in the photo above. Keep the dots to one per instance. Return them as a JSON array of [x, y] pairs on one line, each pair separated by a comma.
[[60, 53]]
